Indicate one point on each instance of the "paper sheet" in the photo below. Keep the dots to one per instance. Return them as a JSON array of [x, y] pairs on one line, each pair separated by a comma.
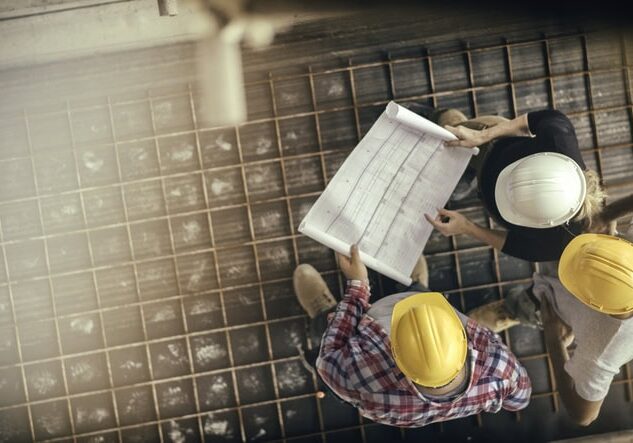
[[399, 171]]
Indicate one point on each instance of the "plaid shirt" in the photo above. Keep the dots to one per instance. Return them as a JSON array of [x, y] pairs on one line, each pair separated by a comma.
[[355, 361]]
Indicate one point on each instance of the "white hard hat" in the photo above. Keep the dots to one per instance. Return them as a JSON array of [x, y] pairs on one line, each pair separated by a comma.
[[541, 190]]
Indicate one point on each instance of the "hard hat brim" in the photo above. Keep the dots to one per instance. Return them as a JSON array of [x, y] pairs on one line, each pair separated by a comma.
[[504, 202]]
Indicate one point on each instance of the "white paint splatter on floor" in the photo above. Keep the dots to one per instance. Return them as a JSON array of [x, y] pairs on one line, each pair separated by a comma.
[[152, 274], [204, 307], [289, 98], [188, 191], [278, 256], [30, 263], [183, 153], [291, 377], [218, 392], [178, 434], [218, 428], [289, 138], [174, 396], [221, 143], [209, 352], [235, 271], [52, 422], [97, 415], [163, 112], [263, 145], [246, 301], [199, 269], [248, 344], [137, 401], [269, 220], [43, 382], [131, 365], [166, 313], [293, 337], [83, 372], [83, 326], [191, 231], [92, 162], [253, 383], [257, 177], [138, 154], [175, 355], [66, 210], [219, 187], [335, 88]]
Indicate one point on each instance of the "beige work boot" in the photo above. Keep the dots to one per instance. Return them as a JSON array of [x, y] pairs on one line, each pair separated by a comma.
[[311, 290], [493, 316], [420, 272]]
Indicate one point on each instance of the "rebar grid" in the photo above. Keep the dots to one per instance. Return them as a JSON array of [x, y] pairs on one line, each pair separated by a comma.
[[255, 243]]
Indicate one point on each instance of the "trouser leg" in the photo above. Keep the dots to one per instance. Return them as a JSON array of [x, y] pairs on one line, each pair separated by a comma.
[[316, 328]]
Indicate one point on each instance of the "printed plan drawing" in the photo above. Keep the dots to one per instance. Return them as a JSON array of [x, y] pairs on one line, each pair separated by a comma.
[[377, 199]]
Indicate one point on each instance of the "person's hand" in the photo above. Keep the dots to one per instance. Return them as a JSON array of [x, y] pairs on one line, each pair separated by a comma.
[[466, 137], [449, 222], [352, 267], [553, 325]]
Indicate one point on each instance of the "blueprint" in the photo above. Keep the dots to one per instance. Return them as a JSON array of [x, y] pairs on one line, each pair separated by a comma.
[[377, 199]]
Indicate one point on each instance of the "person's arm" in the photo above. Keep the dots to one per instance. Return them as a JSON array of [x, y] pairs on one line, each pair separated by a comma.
[[517, 396], [453, 223], [558, 337], [470, 137], [338, 345]]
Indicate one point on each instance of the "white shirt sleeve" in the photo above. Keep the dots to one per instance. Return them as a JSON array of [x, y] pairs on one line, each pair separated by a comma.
[[590, 380]]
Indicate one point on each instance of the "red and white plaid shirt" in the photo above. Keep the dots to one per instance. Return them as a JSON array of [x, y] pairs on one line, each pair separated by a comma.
[[355, 361]]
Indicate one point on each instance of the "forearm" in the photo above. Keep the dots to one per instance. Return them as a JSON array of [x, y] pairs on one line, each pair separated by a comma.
[[493, 237], [346, 317], [515, 127], [336, 356]]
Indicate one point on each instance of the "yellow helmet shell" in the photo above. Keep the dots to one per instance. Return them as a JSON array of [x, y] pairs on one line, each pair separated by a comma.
[[428, 340], [598, 270]]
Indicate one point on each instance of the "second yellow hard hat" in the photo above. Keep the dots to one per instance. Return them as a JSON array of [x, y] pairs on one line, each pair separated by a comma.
[[598, 270]]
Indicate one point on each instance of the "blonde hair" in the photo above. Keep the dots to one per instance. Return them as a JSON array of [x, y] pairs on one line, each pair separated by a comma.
[[594, 199]]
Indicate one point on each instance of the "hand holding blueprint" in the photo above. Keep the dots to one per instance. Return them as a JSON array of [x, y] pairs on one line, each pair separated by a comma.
[[399, 171]]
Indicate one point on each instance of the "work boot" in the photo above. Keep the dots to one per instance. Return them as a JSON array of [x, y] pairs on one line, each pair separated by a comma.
[[420, 273], [493, 316], [311, 290]]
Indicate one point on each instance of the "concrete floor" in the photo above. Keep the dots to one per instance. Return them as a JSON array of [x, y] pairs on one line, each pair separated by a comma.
[[145, 288]]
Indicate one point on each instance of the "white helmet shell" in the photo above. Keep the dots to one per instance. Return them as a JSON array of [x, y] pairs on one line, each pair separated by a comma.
[[541, 190]]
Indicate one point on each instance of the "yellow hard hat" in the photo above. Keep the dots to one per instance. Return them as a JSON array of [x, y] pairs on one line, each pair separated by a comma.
[[598, 270], [428, 340]]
